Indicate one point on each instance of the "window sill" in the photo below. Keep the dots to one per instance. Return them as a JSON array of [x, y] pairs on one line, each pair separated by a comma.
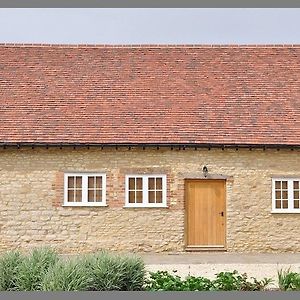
[[285, 212], [84, 205], [146, 206]]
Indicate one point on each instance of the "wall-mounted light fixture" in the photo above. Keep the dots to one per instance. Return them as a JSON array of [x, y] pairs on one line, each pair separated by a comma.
[[205, 171]]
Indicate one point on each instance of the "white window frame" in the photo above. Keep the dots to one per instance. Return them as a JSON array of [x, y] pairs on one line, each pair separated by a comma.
[[84, 189], [145, 202], [290, 209]]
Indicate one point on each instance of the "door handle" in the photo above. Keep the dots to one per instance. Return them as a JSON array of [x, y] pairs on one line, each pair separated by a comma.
[[222, 214]]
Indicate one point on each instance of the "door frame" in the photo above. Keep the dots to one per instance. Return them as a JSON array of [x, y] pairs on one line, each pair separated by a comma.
[[204, 248]]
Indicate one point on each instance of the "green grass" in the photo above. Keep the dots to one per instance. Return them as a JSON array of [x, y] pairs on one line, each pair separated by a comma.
[[112, 272], [44, 270], [9, 270], [288, 281], [33, 268], [67, 276]]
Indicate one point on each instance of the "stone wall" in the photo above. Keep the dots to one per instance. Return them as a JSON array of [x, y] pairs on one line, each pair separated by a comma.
[[31, 197]]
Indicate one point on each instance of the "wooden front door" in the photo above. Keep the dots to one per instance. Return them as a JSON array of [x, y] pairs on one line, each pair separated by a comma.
[[205, 214]]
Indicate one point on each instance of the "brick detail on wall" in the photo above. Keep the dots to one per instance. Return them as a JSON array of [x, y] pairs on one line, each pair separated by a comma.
[[59, 189]]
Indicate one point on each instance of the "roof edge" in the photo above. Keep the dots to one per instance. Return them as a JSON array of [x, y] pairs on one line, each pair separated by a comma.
[[187, 145], [46, 45]]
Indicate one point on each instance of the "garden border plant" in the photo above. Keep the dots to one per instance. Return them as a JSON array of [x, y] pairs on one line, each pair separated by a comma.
[[224, 281], [44, 270]]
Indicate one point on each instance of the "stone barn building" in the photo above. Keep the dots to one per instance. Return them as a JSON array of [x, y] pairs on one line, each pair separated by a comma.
[[150, 148]]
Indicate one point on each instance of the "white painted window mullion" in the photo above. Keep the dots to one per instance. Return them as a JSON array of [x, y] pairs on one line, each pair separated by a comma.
[[84, 189], [145, 190], [290, 195]]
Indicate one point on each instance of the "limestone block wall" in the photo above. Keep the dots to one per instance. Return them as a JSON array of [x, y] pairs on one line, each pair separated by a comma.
[[31, 198]]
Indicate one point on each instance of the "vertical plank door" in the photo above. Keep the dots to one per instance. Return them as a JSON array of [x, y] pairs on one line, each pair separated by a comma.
[[205, 214]]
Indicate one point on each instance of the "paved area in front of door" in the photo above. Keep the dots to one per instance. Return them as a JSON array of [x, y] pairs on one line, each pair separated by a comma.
[[208, 264]]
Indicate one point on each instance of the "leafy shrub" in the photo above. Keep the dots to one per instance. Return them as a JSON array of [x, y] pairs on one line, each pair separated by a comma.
[[288, 281], [198, 284], [233, 281], [33, 268], [115, 272], [163, 281], [225, 281], [67, 276], [9, 264]]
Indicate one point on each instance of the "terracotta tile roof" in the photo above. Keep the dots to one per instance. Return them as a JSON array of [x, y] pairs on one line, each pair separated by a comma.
[[150, 94]]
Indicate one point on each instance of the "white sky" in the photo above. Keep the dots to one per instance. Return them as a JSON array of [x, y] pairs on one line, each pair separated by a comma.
[[150, 26]]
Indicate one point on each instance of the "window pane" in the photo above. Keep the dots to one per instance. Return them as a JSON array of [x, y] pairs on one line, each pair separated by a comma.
[[71, 181], [159, 183], [284, 195], [91, 196], [91, 182], [296, 195], [278, 195], [278, 204], [131, 183], [284, 185], [131, 197], [99, 195], [99, 182], [296, 203], [139, 183], [78, 196], [296, 185], [70, 195], [139, 197], [277, 185], [151, 183], [159, 197], [78, 181], [151, 197], [284, 203]]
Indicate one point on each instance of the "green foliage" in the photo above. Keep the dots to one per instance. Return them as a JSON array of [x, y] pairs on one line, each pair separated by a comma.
[[233, 281], [43, 270], [288, 281], [225, 281], [32, 269], [115, 272], [164, 281], [9, 265], [197, 284], [103, 271], [67, 276]]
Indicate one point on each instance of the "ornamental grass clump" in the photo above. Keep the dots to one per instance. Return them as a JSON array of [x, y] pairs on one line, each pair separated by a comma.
[[9, 270], [288, 281], [112, 272], [32, 269], [69, 275]]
